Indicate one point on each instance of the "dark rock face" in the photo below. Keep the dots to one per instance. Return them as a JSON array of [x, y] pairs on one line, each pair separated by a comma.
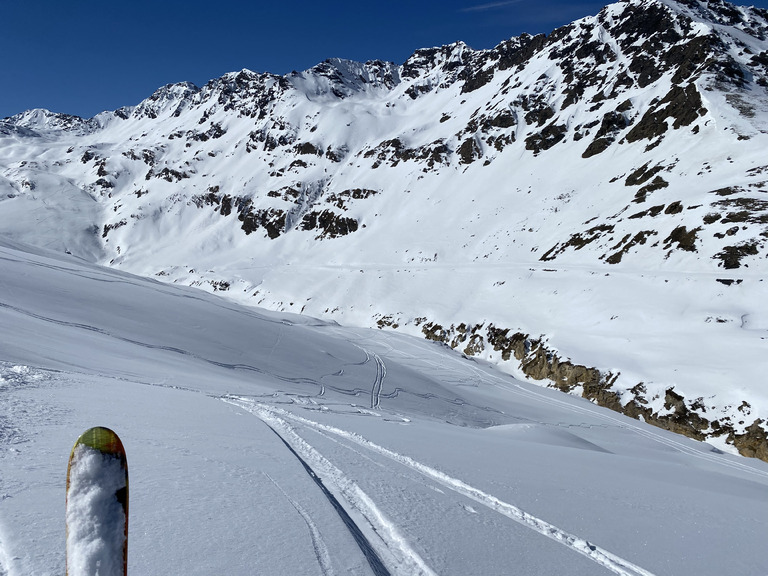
[[274, 221], [469, 151], [343, 198], [113, 226], [753, 443], [578, 241], [685, 239], [546, 139], [270, 219], [612, 123], [392, 152], [682, 105], [731, 255], [330, 224], [627, 244]]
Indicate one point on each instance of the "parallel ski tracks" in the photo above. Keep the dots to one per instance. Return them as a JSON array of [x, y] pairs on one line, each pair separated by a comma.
[[386, 550], [381, 372], [378, 379], [373, 558], [278, 418]]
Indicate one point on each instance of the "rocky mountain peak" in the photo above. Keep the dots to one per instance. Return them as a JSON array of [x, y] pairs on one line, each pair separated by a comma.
[[42, 120], [748, 19], [426, 60], [171, 98], [341, 78]]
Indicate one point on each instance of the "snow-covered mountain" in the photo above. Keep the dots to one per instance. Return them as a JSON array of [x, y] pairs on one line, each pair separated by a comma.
[[587, 208]]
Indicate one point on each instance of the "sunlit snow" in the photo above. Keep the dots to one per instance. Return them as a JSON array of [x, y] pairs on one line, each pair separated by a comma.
[[231, 416]]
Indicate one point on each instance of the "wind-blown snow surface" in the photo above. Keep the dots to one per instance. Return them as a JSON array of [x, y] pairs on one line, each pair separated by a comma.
[[263, 443]]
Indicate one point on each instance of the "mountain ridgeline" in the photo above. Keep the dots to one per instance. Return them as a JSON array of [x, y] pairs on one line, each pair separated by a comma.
[[602, 187]]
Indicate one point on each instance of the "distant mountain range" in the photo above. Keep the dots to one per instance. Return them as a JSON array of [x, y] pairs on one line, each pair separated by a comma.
[[588, 208]]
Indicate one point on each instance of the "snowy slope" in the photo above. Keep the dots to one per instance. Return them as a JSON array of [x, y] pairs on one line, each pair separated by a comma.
[[586, 209], [421, 462]]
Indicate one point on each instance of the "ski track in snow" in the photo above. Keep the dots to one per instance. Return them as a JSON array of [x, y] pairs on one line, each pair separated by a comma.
[[273, 415], [175, 350], [378, 380], [381, 373], [373, 558], [412, 477], [318, 544], [393, 556]]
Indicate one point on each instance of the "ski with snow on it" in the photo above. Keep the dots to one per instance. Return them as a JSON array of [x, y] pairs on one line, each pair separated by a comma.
[[97, 505]]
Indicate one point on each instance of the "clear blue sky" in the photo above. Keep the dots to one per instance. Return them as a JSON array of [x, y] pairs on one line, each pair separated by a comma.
[[84, 56]]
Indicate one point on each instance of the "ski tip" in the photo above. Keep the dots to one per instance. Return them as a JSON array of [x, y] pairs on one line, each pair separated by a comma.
[[102, 439]]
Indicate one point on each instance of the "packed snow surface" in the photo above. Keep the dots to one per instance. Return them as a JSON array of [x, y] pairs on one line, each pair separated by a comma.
[[268, 443], [95, 518]]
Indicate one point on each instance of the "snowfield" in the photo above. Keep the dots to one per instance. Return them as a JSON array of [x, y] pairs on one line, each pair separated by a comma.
[[268, 443]]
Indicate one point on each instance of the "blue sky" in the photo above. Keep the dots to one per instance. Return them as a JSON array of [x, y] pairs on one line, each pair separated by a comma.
[[84, 56]]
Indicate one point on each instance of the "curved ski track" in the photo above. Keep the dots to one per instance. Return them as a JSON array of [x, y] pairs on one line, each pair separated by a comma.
[[318, 466], [378, 379]]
